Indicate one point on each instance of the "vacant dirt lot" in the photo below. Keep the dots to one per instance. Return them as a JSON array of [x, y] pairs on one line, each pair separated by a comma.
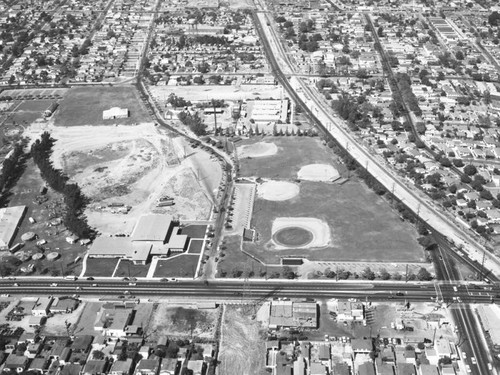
[[242, 348], [180, 322], [134, 166]]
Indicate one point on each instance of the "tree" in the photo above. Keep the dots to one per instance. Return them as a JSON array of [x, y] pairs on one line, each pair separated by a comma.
[[458, 163], [288, 273], [368, 274], [384, 275], [424, 275], [422, 229], [97, 354], [470, 170]]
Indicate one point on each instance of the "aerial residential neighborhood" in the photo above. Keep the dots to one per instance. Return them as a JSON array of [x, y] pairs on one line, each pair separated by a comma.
[[282, 187]]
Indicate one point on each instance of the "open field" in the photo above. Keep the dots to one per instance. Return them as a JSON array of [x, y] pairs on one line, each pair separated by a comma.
[[101, 267], [183, 265], [207, 92], [293, 154], [363, 227], [134, 166], [181, 322], [242, 348], [84, 106], [236, 4], [25, 193]]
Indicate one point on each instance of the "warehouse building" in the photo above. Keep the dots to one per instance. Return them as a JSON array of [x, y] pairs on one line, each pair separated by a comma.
[[115, 113], [293, 314], [10, 220], [153, 235]]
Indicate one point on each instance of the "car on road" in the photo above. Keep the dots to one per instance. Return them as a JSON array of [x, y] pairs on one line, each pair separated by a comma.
[[400, 294], [455, 289], [132, 284], [5, 295], [95, 285], [16, 284], [490, 367], [90, 278], [467, 367], [464, 355], [53, 284], [473, 360]]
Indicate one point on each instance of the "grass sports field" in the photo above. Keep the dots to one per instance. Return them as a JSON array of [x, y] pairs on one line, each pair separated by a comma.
[[84, 106], [363, 227]]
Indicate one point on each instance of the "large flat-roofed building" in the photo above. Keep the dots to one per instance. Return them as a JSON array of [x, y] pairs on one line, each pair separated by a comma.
[[154, 235], [114, 113], [10, 219], [293, 314], [120, 247], [152, 227], [269, 110]]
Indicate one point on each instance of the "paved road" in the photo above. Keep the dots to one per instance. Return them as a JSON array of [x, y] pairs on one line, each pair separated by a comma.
[[256, 289]]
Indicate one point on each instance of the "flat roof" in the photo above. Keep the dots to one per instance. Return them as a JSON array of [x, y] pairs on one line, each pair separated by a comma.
[[10, 218], [177, 241], [152, 227], [120, 247]]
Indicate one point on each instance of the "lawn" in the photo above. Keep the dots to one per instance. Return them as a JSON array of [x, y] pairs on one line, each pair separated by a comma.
[[84, 106], [235, 263], [293, 153], [126, 268], [363, 226], [183, 265], [194, 231], [195, 246], [101, 267]]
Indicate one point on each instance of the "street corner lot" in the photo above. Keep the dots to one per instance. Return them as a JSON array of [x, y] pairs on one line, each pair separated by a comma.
[[84, 106], [183, 265], [362, 226], [293, 153]]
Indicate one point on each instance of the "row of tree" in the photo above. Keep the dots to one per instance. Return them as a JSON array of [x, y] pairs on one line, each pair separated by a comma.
[[194, 122], [74, 199]]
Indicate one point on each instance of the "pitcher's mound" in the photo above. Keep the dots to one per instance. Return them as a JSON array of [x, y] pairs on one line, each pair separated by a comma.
[[257, 150], [318, 172], [277, 190], [299, 232]]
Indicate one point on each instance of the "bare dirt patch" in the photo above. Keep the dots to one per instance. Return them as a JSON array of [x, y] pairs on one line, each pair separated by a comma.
[[56, 324], [278, 190], [182, 322], [242, 348], [134, 166], [318, 172], [257, 150]]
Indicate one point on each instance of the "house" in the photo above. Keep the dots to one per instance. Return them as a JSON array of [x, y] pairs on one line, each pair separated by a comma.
[[72, 369], [42, 306], [168, 366], [16, 363], [63, 305], [362, 346], [196, 366], [95, 367], [406, 369], [123, 367], [366, 369], [147, 367], [39, 365], [82, 344], [318, 369]]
